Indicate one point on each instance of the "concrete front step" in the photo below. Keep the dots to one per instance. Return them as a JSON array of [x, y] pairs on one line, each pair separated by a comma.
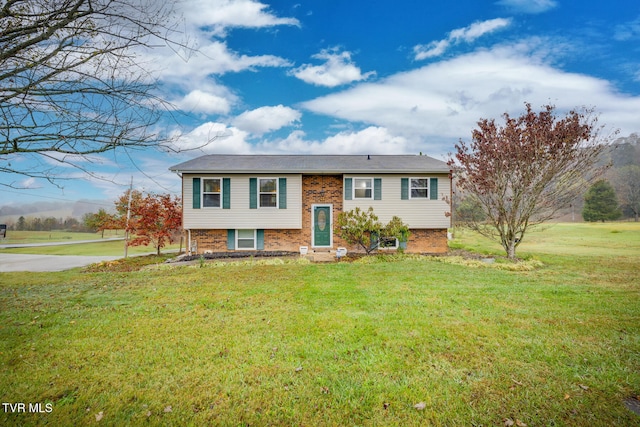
[[321, 256]]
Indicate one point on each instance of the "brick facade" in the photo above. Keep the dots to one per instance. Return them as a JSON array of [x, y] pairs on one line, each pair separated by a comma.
[[209, 240], [428, 241], [317, 189], [320, 190]]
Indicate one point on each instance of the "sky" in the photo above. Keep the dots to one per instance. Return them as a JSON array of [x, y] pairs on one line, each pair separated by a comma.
[[367, 77]]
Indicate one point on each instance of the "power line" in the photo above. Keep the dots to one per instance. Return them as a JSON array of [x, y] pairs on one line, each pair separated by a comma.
[[61, 199]]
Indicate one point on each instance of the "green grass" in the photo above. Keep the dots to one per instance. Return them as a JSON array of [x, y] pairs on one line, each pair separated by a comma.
[[580, 239], [332, 344], [55, 236], [107, 248], [110, 248]]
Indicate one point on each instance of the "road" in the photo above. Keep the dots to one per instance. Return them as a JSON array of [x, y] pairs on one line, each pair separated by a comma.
[[44, 263], [67, 242]]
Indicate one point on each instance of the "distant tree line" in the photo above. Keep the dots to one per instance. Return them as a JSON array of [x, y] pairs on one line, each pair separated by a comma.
[[615, 196], [624, 174], [149, 219], [49, 223]]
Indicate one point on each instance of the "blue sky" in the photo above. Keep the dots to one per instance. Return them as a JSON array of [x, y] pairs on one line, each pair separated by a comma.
[[369, 77]]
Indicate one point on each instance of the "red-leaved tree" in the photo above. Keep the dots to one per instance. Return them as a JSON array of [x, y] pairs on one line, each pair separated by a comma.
[[523, 172], [153, 218]]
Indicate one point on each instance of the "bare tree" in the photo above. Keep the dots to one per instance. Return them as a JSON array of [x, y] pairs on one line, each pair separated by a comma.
[[626, 181], [524, 172], [71, 84]]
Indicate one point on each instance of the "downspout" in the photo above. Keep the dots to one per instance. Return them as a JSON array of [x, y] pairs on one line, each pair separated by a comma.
[[452, 219], [189, 241]]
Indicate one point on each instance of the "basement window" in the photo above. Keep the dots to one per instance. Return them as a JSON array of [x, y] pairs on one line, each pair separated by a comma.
[[245, 239]]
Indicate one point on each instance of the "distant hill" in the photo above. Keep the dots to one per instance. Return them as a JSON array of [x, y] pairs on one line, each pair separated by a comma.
[[60, 209]]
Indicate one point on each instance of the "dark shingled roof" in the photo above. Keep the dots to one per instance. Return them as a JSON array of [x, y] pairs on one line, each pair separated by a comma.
[[316, 164]]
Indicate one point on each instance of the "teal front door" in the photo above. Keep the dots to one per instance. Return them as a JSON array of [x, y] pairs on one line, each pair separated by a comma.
[[321, 226]]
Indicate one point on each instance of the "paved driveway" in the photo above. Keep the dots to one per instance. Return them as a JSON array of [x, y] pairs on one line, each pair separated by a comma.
[[39, 263]]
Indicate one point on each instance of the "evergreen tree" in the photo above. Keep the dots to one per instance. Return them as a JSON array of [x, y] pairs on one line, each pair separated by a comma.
[[601, 203]]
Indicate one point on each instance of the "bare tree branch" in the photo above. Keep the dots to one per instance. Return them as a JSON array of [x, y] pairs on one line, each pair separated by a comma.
[[71, 83]]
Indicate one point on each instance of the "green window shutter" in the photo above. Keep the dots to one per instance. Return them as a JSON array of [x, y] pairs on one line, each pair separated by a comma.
[[433, 188], [253, 193], [404, 188], [231, 239], [348, 188], [282, 193], [226, 193], [377, 189], [196, 193], [260, 240]]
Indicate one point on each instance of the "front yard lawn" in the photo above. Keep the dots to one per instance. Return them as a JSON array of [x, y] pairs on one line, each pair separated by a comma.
[[413, 342]]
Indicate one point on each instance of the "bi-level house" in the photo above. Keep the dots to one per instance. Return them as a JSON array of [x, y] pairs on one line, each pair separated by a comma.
[[284, 202]]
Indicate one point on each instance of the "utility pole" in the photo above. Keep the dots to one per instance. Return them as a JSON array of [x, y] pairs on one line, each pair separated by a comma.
[[126, 229]]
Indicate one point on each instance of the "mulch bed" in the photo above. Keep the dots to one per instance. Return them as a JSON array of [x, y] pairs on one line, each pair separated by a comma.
[[351, 256], [235, 255]]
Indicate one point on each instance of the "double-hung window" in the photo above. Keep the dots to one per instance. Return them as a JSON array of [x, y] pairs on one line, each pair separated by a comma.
[[419, 188], [245, 239], [363, 188], [211, 192], [268, 192]]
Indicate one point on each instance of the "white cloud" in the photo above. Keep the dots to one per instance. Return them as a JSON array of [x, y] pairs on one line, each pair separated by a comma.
[[628, 31], [218, 138], [223, 14], [213, 137], [528, 6], [337, 70], [479, 29], [267, 119], [198, 101], [188, 74], [444, 100], [371, 140], [466, 34], [213, 58], [30, 183]]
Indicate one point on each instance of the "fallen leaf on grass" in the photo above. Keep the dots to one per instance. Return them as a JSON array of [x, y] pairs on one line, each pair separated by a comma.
[[299, 368], [168, 409], [99, 416], [508, 422], [567, 397], [584, 387], [420, 406], [386, 405]]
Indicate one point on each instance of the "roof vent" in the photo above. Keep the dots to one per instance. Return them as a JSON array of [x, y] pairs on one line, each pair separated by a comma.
[[368, 157]]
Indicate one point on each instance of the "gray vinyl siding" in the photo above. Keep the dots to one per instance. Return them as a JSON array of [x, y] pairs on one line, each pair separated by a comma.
[[239, 215], [417, 213]]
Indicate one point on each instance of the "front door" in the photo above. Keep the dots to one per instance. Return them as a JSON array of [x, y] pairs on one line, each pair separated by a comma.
[[321, 226]]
